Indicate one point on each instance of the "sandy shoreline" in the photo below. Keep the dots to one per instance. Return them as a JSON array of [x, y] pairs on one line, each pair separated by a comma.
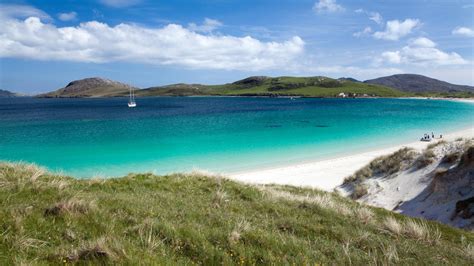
[[328, 174], [465, 100]]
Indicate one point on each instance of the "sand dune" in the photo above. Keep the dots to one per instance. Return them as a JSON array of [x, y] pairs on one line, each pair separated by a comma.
[[328, 174]]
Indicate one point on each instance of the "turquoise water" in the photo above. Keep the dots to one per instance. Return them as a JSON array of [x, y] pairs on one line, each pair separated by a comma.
[[103, 137]]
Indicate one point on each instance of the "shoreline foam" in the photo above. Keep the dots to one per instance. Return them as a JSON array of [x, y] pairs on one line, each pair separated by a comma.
[[330, 173]]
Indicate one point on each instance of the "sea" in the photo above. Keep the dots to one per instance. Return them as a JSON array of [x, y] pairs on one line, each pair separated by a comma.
[[102, 137]]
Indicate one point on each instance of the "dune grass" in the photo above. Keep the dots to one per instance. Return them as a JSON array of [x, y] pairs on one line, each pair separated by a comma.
[[360, 189], [383, 165], [406, 158], [426, 158], [200, 219]]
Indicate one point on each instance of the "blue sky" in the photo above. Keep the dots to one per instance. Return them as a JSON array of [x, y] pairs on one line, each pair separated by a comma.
[[45, 44]]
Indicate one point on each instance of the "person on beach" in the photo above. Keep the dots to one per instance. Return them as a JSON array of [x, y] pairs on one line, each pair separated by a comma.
[[426, 137], [432, 135]]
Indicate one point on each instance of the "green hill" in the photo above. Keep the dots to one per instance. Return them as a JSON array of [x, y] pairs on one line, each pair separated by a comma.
[[198, 219], [279, 86]]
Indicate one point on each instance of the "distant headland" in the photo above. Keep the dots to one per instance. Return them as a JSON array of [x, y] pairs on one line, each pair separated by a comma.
[[401, 85]]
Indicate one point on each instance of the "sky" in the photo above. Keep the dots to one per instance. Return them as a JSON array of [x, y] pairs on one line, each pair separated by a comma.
[[45, 44]]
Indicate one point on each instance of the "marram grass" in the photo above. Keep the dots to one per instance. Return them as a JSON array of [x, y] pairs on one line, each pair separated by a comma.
[[200, 219]]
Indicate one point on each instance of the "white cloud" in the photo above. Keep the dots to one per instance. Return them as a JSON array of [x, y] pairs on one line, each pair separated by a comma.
[[327, 6], [463, 31], [208, 26], [21, 11], [376, 17], [422, 42], [365, 31], [392, 57], [396, 29], [67, 16], [120, 3], [169, 45], [421, 51]]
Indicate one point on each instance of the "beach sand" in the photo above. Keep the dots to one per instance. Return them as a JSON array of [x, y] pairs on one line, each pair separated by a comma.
[[328, 174]]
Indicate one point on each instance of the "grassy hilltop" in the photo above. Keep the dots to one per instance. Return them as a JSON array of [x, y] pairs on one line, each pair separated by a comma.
[[281, 86], [194, 218]]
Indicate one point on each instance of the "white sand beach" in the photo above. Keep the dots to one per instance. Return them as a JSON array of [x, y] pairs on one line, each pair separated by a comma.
[[328, 174], [465, 100]]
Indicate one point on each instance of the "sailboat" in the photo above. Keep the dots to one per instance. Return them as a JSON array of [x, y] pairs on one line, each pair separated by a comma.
[[131, 102]]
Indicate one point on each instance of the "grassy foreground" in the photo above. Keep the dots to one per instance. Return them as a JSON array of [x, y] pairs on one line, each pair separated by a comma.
[[197, 219]]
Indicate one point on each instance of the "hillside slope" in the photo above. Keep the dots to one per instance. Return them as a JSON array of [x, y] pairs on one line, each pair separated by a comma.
[[278, 86], [437, 184], [199, 219], [90, 87], [419, 84]]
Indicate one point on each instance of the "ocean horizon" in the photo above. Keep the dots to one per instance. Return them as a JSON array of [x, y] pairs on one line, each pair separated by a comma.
[[103, 137]]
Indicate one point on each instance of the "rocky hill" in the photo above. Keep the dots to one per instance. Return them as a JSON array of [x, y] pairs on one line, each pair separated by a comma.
[[419, 84], [90, 87]]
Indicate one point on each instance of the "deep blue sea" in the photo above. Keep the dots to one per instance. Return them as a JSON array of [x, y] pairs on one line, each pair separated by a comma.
[[103, 137]]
